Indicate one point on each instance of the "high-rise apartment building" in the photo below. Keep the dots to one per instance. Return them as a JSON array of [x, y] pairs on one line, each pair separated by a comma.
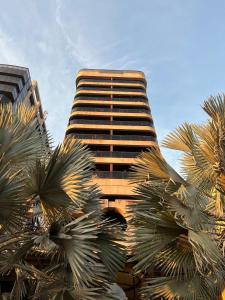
[[16, 86], [111, 115]]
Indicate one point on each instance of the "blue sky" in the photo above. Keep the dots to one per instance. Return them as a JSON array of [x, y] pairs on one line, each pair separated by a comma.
[[180, 45]]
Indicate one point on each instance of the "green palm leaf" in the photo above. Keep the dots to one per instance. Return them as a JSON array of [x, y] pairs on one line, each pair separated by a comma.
[[173, 289], [112, 252], [59, 181], [19, 136], [12, 204], [77, 239]]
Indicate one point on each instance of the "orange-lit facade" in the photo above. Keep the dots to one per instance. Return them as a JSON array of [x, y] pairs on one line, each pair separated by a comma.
[[16, 87], [111, 115]]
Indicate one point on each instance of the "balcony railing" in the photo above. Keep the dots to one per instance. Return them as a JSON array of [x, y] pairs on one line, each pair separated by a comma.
[[114, 80], [117, 89], [108, 122], [100, 109], [114, 174], [118, 154], [114, 137], [110, 99]]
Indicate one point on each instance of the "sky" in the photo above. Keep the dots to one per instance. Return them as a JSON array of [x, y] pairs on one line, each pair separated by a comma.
[[179, 45]]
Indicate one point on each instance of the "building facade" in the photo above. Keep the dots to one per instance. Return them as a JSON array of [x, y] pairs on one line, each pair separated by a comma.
[[112, 116], [16, 86]]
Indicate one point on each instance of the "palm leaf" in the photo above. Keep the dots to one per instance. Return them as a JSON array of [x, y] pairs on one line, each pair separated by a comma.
[[77, 239], [112, 251], [182, 139], [215, 108], [206, 252], [12, 204], [173, 289], [19, 136], [152, 166], [58, 182]]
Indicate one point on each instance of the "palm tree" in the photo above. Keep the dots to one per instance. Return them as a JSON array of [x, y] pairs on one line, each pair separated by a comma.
[[54, 243], [179, 221]]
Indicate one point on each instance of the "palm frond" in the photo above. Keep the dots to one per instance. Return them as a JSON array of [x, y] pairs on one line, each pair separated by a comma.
[[60, 181], [77, 239], [182, 139], [19, 136], [171, 289], [177, 260], [152, 166], [19, 290], [155, 231], [12, 205], [206, 252], [215, 108], [112, 252]]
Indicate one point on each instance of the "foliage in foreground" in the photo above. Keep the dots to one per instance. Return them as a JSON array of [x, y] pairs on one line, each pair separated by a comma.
[[53, 240], [179, 220]]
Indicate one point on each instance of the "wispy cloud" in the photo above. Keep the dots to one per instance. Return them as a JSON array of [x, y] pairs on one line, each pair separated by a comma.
[[85, 53], [9, 54], [78, 46], [166, 41], [120, 63]]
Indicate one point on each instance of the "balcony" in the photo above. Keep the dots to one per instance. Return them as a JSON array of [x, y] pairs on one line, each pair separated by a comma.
[[113, 175], [16, 71], [111, 92], [113, 80], [108, 122], [100, 109], [114, 137], [12, 81], [116, 89], [131, 99], [116, 154]]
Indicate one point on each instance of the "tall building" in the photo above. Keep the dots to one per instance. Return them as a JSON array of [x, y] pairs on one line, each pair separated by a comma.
[[111, 115], [16, 86]]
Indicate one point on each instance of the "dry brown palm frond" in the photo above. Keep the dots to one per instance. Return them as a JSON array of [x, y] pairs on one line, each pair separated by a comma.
[[182, 139], [152, 166], [215, 108]]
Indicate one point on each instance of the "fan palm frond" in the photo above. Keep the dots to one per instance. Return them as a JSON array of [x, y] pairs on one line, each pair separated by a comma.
[[77, 239], [60, 181], [215, 108], [182, 139], [171, 289], [19, 138], [206, 252], [12, 205], [112, 251], [152, 166]]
